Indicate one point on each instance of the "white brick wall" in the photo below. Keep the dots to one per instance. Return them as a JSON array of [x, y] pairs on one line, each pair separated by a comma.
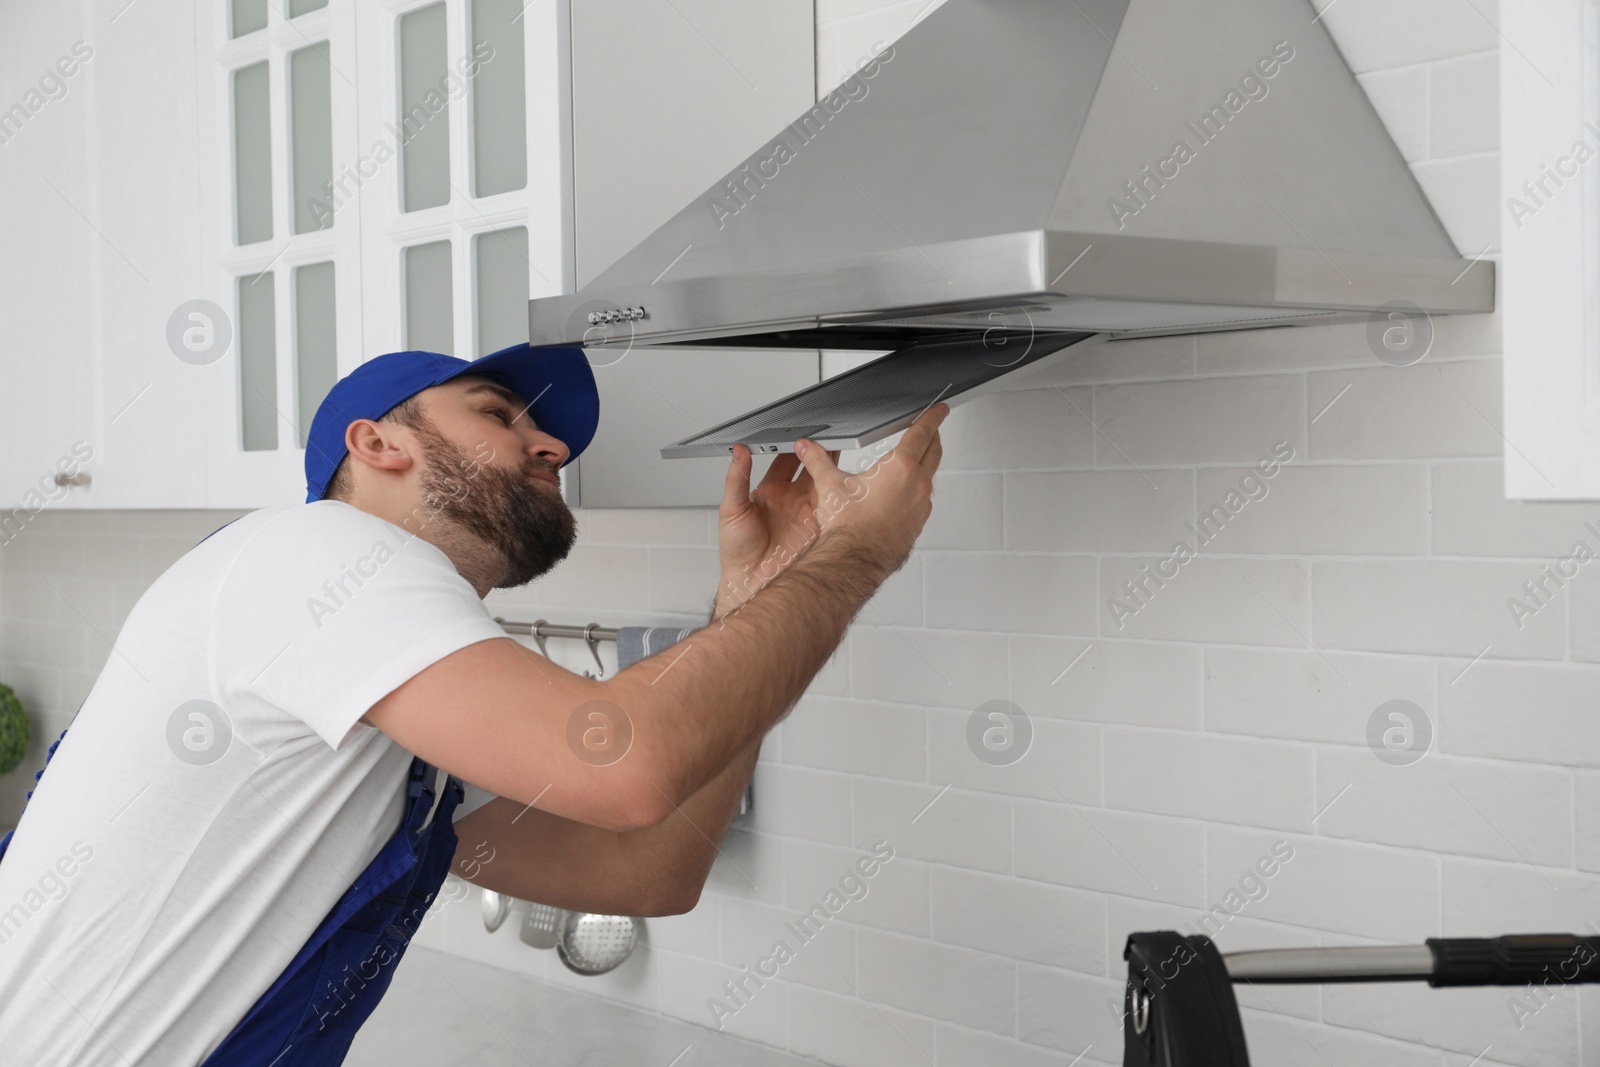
[[1228, 714]]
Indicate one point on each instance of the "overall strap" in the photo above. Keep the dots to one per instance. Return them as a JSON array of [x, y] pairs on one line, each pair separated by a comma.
[[337, 978]]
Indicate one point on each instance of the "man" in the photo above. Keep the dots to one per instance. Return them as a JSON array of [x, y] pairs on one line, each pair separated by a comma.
[[227, 856]]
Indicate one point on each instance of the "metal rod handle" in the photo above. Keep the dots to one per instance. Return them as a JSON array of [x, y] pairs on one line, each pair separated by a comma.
[[1515, 959], [1364, 963]]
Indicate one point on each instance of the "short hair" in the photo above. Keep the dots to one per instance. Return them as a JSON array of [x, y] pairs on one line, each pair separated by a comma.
[[407, 413]]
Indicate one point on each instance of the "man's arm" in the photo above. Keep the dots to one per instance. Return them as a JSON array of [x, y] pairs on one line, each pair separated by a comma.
[[521, 727], [534, 855]]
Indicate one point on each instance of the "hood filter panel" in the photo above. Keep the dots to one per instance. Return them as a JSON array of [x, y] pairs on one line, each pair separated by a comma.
[[865, 405]]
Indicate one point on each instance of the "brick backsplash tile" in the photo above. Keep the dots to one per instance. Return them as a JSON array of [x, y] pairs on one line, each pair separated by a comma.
[[896, 893], [1041, 428], [1219, 779], [960, 1047], [1109, 851], [1140, 683], [1465, 193], [1482, 899], [749, 866], [685, 985], [636, 526], [1022, 919], [749, 931], [926, 822], [851, 1032], [966, 511], [798, 802], [1307, 696], [682, 579], [1357, 510], [695, 933], [1345, 887], [857, 736], [1444, 804], [1070, 1012], [1136, 359], [1273, 1038], [1011, 592], [1429, 409], [974, 989], [926, 666], [1282, 348], [1586, 806], [1062, 758], [1097, 511], [1373, 34], [1472, 517], [599, 576], [1430, 607], [1202, 420], [1236, 601], [1464, 106], [1509, 711], [1400, 97]]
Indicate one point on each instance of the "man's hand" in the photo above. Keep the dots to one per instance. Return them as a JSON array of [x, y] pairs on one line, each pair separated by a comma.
[[880, 511], [760, 533]]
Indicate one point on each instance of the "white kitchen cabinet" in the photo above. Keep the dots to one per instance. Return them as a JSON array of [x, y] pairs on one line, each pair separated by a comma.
[[1550, 184], [220, 224], [47, 247]]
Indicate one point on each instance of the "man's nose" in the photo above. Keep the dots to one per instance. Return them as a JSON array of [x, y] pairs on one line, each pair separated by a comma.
[[545, 447]]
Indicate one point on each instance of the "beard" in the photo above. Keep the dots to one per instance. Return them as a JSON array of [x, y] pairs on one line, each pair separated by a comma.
[[528, 526]]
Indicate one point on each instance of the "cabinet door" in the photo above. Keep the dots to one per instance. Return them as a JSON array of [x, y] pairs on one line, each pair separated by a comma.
[[465, 171], [1550, 307], [279, 136], [666, 99], [47, 246], [150, 422]]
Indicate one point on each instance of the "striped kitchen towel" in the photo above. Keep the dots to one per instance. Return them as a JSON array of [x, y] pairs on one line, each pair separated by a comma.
[[635, 643]]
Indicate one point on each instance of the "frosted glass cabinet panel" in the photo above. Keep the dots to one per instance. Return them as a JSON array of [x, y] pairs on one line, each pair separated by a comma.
[[311, 138], [305, 7], [502, 262], [430, 314], [315, 341], [424, 109], [258, 363], [249, 16], [252, 155], [499, 99]]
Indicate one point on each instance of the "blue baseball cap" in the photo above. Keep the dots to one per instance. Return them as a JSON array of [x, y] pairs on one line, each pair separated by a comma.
[[556, 382]]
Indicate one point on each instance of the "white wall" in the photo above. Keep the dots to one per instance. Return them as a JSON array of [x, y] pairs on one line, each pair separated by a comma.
[[1229, 714]]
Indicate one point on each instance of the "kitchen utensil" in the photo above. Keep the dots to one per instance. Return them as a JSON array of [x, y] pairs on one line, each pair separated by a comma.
[[495, 908], [595, 944], [539, 925]]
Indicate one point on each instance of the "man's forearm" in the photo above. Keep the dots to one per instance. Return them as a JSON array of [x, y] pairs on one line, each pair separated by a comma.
[[700, 703]]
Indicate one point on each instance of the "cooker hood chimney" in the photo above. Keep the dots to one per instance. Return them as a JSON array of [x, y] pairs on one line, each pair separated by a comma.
[[1033, 168]]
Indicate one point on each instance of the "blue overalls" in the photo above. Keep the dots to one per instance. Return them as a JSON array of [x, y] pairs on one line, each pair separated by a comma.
[[310, 1015]]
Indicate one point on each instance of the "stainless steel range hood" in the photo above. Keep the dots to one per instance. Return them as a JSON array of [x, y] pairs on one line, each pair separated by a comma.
[[1102, 167]]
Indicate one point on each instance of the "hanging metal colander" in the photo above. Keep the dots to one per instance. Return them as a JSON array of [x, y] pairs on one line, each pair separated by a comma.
[[595, 944]]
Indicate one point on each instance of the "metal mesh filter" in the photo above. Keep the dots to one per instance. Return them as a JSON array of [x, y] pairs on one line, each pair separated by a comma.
[[595, 944], [869, 403]]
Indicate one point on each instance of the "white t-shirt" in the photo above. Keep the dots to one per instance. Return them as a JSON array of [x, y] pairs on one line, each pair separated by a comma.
[[175, 856]]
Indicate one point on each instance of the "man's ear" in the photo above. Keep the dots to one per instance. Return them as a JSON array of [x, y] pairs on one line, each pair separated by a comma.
[[377, 445]]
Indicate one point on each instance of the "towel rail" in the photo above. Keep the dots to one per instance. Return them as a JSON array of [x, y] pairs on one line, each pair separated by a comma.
[[541, 628]]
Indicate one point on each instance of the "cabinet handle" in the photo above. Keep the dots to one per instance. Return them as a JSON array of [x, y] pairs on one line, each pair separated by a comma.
[[81, 478]]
